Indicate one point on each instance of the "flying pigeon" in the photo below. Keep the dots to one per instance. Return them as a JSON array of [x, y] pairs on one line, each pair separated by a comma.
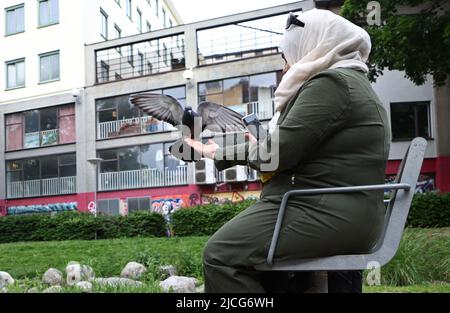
[[214, 117]]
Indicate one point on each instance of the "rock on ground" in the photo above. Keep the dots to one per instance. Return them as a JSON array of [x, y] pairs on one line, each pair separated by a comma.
[[52, 277], [77, 272], [5, 279], [167, 271], [84, 285], [117, 281], [33, 290], [133, 270], [53, 289], [179, 284]]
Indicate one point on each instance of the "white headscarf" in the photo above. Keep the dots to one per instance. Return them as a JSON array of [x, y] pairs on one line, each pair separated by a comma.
[[326, 41]]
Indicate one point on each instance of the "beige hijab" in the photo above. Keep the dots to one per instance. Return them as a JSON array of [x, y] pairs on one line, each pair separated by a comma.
[[327, 41]]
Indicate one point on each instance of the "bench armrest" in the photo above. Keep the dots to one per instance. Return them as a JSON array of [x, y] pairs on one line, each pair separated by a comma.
[[290, 193]]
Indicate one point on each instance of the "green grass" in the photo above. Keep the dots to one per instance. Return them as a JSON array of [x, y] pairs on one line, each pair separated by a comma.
[[422, 263]]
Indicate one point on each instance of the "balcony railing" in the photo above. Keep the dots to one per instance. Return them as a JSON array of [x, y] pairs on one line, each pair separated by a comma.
[[131, 126], [42, 187], [41, 138], [144, 178]]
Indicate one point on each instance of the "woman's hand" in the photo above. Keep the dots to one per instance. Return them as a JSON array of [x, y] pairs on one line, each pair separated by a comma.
[[206, 150]]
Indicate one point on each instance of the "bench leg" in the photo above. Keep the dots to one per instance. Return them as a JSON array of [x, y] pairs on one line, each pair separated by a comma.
[[345, 281], [318, 283]]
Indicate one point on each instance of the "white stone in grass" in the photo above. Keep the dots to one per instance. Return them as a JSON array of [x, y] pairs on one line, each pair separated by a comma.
[[5, 279], [3, 290], [167, 271], [200, 289], [33, 290], [52, 277], [179, 284], [118, 282], [133, 270], [53, 289], [77, 272], [85, 286]]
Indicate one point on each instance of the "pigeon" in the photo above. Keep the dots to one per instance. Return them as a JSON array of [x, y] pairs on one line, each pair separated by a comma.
[[213, 116]]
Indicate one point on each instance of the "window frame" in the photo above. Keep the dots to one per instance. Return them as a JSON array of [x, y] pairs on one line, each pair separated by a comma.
[[13, 8], [139, 19], [427, 103], [129, 9], [39, 14], [104, 18], [15, 62], [48, 54]]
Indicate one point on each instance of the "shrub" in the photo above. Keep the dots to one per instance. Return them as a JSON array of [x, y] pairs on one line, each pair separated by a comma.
[[205, 219], [82, 226], [430, 210]]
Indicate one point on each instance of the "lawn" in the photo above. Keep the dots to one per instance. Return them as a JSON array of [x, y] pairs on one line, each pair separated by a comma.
[[422, 263]]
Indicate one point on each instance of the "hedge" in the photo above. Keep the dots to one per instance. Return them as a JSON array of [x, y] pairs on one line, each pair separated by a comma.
[[428, 210], [81, 226]]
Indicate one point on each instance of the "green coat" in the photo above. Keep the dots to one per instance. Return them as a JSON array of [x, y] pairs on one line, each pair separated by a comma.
[[334, 133]]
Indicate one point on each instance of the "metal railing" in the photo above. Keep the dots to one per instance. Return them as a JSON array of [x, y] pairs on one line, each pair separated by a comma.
[[141, 58], [42, 187], [41, 138], [143, 178], [134, 126]]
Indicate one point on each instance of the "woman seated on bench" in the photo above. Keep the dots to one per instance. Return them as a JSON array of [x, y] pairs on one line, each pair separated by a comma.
[[331, 131]]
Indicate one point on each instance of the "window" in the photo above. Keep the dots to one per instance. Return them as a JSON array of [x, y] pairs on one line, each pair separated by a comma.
[[139, 20], [141, 63], [170, 23], [118, 31], [118, 2], [164, 20], [48, 12], [149, 27], [49, 67], [128, 8], [138, 204], [104, 72], [108, 207], [15, 22], [15, 74], [104, 24], [157, 7], [410, 120]]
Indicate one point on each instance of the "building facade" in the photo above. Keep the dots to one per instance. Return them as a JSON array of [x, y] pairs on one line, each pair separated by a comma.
[[72, 148]]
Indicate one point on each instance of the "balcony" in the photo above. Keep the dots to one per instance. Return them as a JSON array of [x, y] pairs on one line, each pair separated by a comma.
[[131, 126], [41, 187], [41, 138], [145, 178]]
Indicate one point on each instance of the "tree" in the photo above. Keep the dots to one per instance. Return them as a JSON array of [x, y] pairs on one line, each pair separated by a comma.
[[416, 41]]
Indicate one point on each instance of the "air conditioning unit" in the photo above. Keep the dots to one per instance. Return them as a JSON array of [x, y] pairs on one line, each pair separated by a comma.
[[235, 174], [205, 172]]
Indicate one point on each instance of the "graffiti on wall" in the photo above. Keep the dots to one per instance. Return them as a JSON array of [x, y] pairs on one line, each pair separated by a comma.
[[42, 208], [229, 197], [425, 183], [167, 206]]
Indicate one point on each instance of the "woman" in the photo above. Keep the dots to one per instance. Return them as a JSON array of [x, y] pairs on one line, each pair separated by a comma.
[[332, 131]]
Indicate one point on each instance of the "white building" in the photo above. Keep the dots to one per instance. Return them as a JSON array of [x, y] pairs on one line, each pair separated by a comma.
[[43, 41]]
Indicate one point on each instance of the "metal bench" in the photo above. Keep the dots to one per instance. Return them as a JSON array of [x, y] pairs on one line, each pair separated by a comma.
[[396, 213]]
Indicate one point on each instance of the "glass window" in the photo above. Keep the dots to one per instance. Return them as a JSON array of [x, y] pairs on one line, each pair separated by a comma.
[[15, 74], [49, 167], [108, 207], [138, 204], [48, 12], [128, 8], [49, 66], [157, 7], [104, 24], [139, 20], [152, 156], [31, 121], [235, 91], [31, 169], [164, 20], [109, 163], [140, 63], [410, 120], [49, 118], [14, 131], [129, 159], [15, 20], [118, 31]]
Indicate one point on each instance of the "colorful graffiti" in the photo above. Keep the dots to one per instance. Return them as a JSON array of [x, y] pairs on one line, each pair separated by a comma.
[[425, 183], [229, 197], [45, 208]]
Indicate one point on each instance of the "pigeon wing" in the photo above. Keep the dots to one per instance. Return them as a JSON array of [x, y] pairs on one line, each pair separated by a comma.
[[162, 107], [216, 116]]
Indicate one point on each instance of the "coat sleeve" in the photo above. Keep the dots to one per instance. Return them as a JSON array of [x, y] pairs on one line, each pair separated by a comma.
[[318, 111]]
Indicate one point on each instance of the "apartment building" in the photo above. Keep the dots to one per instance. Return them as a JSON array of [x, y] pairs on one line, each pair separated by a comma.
[[75, 148]]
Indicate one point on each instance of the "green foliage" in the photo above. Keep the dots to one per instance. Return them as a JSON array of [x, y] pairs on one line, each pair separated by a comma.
[[418, 44], [205, 219], [430, 210], [75, 225]]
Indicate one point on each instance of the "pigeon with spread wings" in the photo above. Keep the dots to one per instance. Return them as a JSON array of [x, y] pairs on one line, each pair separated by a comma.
[[165, 108], [213, 116]]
